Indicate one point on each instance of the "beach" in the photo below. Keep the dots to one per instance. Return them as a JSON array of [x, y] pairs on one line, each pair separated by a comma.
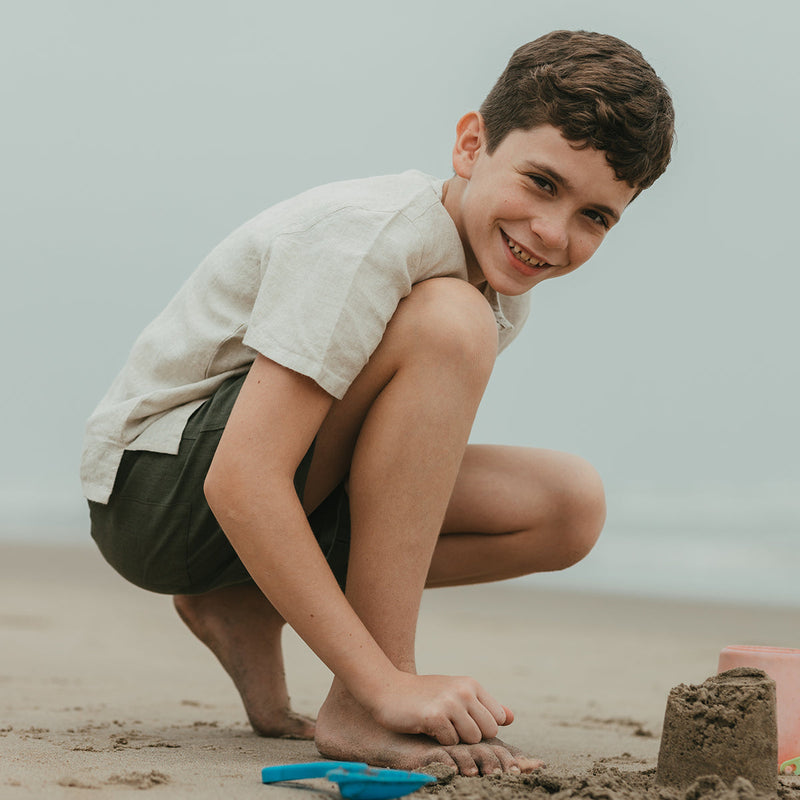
[[104, 691]]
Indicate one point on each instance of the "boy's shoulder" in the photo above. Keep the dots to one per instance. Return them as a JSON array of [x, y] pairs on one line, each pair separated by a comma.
[[400, 216], [411, 194], [398, 221]]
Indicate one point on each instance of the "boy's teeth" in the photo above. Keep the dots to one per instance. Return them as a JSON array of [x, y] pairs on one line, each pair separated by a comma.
[[522, 255]]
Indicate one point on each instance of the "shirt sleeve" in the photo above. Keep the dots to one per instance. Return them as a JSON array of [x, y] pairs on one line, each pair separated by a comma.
[[328, 291]]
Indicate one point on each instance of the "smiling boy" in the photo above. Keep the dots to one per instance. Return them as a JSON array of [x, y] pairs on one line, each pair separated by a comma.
[[288, 439], [536, 208]]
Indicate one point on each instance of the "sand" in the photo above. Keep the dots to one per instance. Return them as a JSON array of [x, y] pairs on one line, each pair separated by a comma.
[[725, 726], [103, 692]]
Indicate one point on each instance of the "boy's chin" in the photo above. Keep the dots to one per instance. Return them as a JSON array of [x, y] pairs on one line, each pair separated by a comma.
[[503, 281], [511, 287]]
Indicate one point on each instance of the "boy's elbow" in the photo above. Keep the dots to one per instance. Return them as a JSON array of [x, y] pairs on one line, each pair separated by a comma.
[[225, 491], [217, 489], [238, 491], [211, 488]]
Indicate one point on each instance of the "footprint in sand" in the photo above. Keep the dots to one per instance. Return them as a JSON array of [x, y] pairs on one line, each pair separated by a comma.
[[139, 780]]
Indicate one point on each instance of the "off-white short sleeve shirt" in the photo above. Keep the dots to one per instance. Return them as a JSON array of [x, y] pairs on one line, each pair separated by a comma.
[[310, 283]]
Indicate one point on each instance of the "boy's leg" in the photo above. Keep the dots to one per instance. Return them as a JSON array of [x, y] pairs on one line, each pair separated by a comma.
[[413, 375], [515, 511], [416, 398], [401, 431], [240, 626]]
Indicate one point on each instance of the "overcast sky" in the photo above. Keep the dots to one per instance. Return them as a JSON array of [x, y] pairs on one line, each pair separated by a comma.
[[137, 135]]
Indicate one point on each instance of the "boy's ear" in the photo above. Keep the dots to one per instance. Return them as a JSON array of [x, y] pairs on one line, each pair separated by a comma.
[[470, 143]]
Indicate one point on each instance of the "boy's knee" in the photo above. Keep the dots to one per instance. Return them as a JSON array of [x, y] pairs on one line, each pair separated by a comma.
[[583, 513], [453, 319]]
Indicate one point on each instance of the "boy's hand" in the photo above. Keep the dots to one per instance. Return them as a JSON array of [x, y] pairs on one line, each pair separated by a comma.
[[448, 709]]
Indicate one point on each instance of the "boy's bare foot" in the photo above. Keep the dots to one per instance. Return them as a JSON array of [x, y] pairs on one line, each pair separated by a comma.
[[346, 731], [243, 630]]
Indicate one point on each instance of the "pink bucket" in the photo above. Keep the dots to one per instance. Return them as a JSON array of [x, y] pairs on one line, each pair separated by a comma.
[[783, 666]]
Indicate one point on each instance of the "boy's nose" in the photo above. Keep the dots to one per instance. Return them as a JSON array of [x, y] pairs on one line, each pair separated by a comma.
[[552, 231]]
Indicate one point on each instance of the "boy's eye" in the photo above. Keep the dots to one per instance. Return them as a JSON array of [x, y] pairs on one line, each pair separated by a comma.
[[543, 183], [596, 216]]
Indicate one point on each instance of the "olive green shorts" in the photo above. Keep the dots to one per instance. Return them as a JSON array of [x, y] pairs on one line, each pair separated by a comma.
[[158, 531]]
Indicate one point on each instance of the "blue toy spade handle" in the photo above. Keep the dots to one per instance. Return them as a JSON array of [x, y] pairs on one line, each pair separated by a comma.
[[314, 769]]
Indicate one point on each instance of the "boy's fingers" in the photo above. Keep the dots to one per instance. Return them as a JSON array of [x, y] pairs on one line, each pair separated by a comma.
[[469, 729], [498, 711], [485, 721], [444, 732], [509, 716]]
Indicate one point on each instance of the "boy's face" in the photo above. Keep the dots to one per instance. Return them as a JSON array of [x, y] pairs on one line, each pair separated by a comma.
[[534, 209]]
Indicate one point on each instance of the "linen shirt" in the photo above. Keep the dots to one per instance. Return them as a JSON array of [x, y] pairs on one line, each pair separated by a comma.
[[310, 283]]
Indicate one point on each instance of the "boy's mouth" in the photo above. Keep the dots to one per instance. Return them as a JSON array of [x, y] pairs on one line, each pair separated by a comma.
[[523, 255]]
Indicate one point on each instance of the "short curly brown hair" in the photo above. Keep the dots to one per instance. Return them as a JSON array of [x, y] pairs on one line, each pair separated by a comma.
[[598, 90]]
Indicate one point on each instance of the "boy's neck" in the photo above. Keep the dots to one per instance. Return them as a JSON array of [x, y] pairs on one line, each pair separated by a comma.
[[452, 191]]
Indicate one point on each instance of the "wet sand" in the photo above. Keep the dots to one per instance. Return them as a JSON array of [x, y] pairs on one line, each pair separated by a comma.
[[103, 690]]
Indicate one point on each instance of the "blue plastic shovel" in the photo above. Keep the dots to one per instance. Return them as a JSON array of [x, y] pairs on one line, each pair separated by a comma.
[[356, 781]]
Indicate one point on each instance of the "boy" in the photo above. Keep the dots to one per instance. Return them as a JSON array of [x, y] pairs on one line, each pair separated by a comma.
[[295, 423]]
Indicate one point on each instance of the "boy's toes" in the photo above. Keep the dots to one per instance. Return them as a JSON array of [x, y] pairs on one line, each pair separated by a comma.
[[482, 759], [513, 759], [527, 764], [487, 759], [463, 759], [508, 762]]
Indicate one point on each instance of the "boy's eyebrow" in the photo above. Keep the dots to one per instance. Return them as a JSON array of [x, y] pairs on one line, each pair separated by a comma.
[[556, 177]]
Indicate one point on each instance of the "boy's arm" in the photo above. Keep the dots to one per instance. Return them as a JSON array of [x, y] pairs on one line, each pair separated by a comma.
[[250, 489]]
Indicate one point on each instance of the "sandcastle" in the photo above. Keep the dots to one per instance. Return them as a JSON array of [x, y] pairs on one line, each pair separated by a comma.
[[726, 726]]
